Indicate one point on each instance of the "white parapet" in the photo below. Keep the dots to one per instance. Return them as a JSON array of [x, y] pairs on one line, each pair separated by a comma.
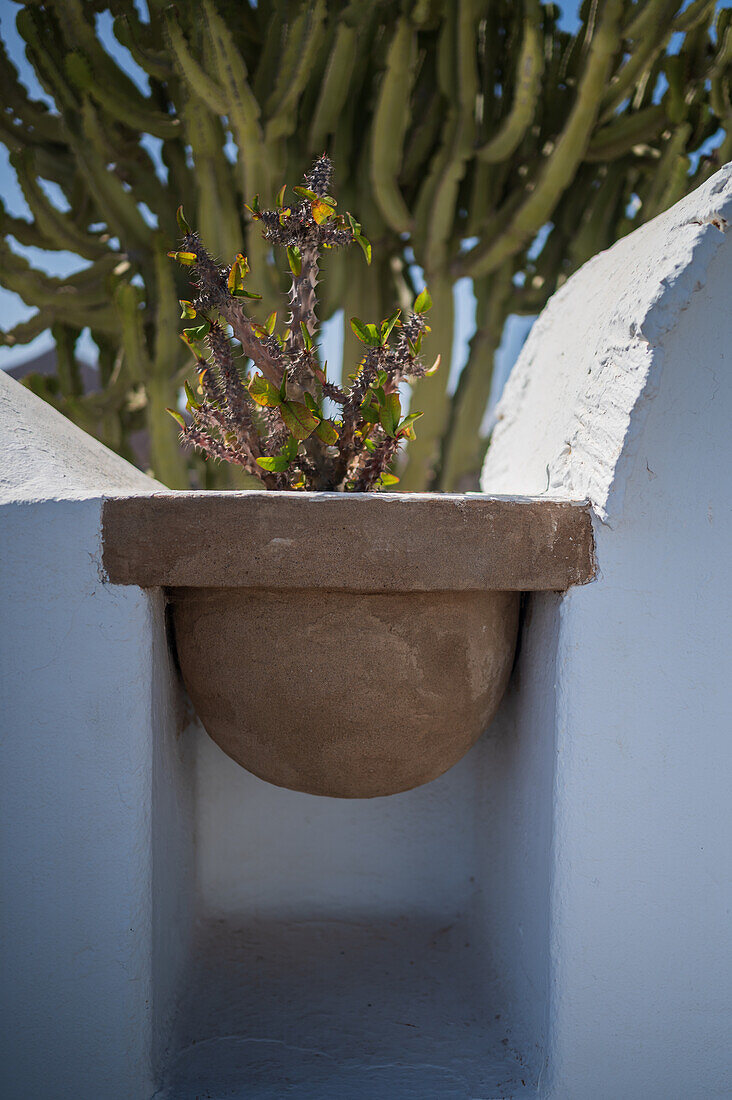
[[92, 802], [620, 957]]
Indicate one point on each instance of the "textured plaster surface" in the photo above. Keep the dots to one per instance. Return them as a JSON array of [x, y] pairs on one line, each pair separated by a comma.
[[344, 951], [46, 457], [318, 1009], [95, 810], [571, 412], [625, 393]]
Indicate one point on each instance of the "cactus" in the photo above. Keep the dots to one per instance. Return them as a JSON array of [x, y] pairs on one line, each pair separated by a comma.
[[461, 130], [273, 424]]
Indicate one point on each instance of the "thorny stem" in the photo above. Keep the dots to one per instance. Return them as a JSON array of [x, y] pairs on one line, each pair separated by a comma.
[[286, 439]]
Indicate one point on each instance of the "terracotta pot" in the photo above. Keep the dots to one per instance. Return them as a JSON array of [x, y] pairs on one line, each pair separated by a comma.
[[350, 694], [345, 645]]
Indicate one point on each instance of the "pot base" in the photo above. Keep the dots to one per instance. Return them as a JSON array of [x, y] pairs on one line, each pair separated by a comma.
[[340, 693]]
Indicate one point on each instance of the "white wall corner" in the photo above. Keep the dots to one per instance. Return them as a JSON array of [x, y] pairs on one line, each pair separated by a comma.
[[94, 808], [623, 395], [569, 415]]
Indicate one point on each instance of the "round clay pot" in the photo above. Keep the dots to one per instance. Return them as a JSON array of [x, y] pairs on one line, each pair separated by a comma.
[[343, 693], [346, 644]]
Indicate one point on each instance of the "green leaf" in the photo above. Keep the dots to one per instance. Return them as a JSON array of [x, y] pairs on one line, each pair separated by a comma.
[[434, 368], [369, 414], [327, 431], [355, 226], [365, 246], [423, 302], [281, 196], [182, 223], [294, 259], [191, 398], [276, 464], [197, 332], [406, 429], [177, 417], [310, 402], [239, 269], [271, 321], [290, 449], [298, 419], [409, 419], [264, 393], [367, 334], [389, 413], [254, 209], [388, 325], [388, 479], [235, 281], [307, 338], [187, 310], [305, 193], [187, 259]]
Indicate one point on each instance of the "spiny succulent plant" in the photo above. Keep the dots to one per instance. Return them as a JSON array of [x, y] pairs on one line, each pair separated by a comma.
[[479, 140], [271, 419]]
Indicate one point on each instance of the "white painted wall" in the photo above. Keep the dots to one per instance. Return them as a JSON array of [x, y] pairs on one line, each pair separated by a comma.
[[95, 829], [265, 851], [624, 394], [564, 890]]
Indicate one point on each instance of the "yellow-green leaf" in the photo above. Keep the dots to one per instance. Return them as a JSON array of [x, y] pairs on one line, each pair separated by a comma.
[[264, 393], [305, 193], [197, 332], [276, 463], [298, 418], [188, 259], [294, 259], [327, 431], [191, 398], [365, 246], [367, 334], [307, 338], [389, 413], [321, 211], [423, 302], [388, 325]]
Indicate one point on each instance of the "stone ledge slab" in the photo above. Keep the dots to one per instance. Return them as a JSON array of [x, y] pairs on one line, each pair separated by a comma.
[[376, 542]]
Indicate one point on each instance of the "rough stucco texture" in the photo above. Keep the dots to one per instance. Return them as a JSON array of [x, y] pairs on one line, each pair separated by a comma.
[[624, 392], [46, 457], [568, 413], [95, 811]]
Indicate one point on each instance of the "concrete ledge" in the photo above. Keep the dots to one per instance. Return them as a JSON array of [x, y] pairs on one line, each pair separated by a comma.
[[359, 542]]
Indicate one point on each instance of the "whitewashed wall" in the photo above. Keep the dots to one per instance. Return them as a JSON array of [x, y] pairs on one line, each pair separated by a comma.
[[553, 913], [94, 810], [623, 394]]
